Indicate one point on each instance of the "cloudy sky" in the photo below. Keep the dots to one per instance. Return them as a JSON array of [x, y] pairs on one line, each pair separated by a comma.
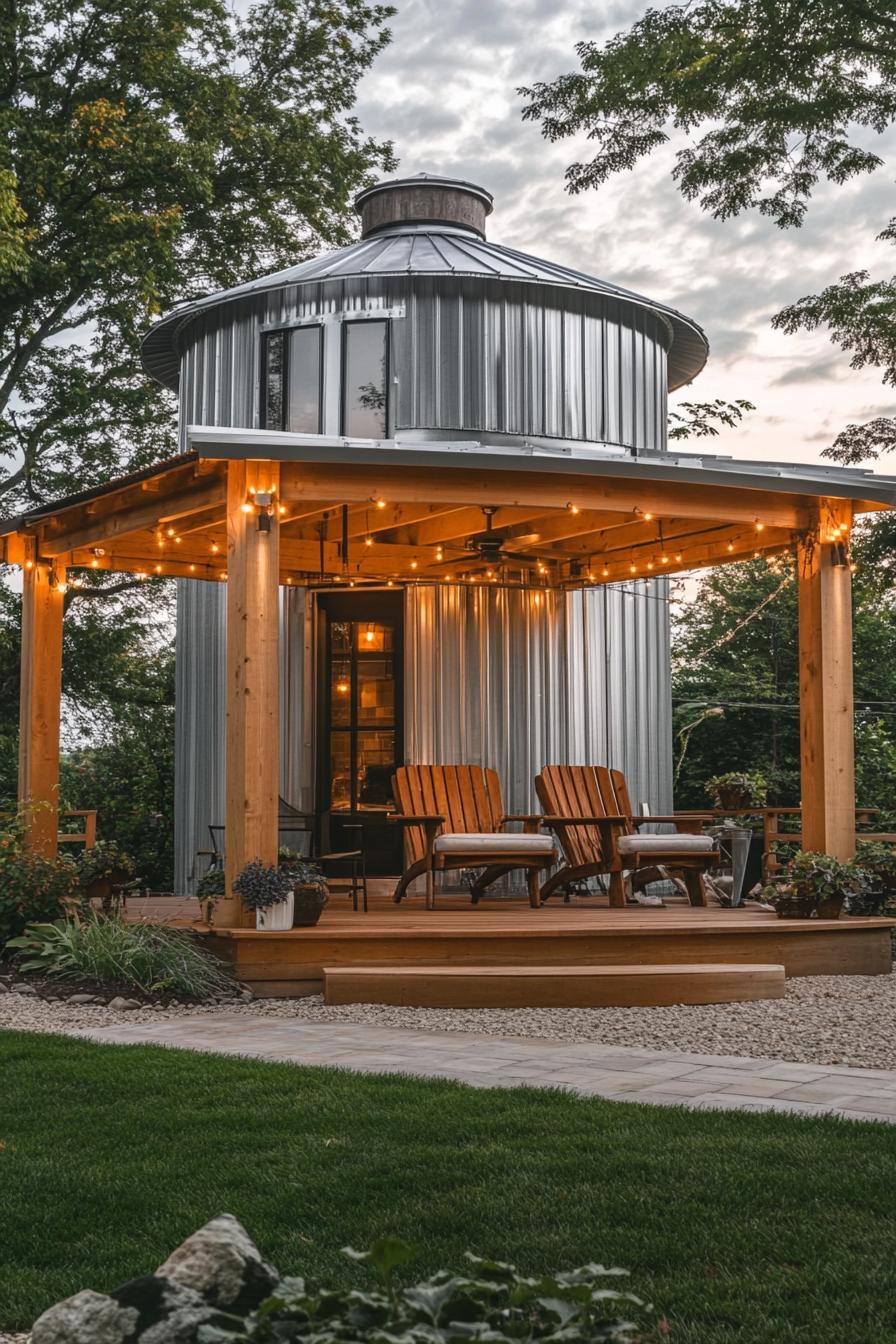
[[444, 92]]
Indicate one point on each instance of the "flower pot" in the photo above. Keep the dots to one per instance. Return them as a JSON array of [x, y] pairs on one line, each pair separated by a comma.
[[309, 905], [734, 800], [794, 907], [830, 907], [275, 917]]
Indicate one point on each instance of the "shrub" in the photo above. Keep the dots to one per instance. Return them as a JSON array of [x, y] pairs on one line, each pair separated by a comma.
[[149, 957], [31, 887], [211, 884], [105, 859], [489, 1302]]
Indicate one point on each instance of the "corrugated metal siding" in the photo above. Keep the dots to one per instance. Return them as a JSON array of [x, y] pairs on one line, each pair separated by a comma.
[[518, 679], [470, 356], [200, 717], [514, 679]]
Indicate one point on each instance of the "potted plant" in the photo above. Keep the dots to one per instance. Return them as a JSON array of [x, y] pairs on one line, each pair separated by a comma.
[[209, 891], [103, 870], [309, 892], [814, 886], [269, 892], [878, 861], [738, 791]]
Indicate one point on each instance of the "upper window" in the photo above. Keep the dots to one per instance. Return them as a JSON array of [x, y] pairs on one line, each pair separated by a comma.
[[364, 380], [292, 380]]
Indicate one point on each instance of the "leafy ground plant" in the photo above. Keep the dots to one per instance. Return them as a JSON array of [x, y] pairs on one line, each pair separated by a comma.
[[491, 1302], [149, 957]]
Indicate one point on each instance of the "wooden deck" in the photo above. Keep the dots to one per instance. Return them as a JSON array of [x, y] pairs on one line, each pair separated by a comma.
[[509, 933]]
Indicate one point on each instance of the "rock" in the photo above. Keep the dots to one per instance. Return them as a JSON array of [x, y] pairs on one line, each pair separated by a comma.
[[221, 1262], [4, 989], [84, 998], [23, 989], [169, 1312], [86, 1318], [246, 996], [124, 1005]]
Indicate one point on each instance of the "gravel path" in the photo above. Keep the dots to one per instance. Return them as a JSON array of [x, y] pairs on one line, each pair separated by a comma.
[[822, 1020]]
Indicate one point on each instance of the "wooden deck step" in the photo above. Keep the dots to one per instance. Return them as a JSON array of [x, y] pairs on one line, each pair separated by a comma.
[[552, 986]]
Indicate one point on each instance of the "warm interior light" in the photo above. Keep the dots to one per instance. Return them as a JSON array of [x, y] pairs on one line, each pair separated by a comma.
[[368, 634], [342, 687]]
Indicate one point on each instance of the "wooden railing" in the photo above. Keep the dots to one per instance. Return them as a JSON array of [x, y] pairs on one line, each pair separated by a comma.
[[86, 836], [772, 834]]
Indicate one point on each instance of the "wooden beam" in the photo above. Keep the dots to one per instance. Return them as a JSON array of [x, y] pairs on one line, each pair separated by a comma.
[[39, 702], [827, 770], [522, 489], [133, 516], [252, 764]]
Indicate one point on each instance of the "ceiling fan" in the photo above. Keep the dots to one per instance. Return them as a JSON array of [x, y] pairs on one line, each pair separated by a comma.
[[488, 548]]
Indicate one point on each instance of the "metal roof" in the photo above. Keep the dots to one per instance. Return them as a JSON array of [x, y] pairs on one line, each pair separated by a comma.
[[213, 442], [426, 250]]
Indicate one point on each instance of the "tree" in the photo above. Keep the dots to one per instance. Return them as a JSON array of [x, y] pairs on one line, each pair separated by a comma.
[[152, 150], [736, 651], [770, 95]]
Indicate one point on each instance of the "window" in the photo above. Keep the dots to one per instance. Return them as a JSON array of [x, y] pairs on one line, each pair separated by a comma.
[[292, 380], [364, 379], [303, 402]]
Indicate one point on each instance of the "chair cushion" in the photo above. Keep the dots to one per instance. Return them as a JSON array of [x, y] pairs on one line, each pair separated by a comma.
[[666, 844], [501, 843]]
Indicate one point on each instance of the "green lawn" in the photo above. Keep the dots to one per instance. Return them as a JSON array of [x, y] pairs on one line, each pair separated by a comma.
[[739, 1227]]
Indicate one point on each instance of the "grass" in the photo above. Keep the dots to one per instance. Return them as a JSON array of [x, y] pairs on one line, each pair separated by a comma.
[[738, 1227]]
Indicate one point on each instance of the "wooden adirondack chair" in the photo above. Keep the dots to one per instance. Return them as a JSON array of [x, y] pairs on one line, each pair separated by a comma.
[[589, 808], [453, 818]]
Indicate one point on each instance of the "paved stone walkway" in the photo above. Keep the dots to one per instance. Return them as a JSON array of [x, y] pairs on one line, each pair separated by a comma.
[[666, 1077]]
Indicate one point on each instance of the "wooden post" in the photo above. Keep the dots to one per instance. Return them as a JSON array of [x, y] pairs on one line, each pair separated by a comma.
[[252, 694], [827, 748], [43, 595]]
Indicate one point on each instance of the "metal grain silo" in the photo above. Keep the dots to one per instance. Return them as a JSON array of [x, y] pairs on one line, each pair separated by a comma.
[[471, 344]]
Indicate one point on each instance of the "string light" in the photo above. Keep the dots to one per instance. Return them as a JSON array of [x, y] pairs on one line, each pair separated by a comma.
[[573, 508], [215, 548], [648, 517], [158, 569], [171, 531], [731, 545], [760, 527], [281, 508], [605, 571], [678, 558], [246, 507], [192, 569], [381, 503], [413, 564], [664, 559], [368, 541], [94, 564], [29, 564]]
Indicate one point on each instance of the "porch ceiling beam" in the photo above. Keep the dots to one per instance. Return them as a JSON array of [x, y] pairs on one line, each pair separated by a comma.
[[695, 554], [459, 523], [547, 529], [409, 484], [105, 526]]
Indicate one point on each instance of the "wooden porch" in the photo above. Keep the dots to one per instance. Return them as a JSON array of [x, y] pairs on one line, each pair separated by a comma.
[[507, 933]]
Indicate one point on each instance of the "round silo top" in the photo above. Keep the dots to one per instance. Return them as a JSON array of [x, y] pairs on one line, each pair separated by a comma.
[[423, 199]]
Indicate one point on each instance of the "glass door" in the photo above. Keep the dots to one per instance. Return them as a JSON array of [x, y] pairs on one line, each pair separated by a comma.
[[360, 724]]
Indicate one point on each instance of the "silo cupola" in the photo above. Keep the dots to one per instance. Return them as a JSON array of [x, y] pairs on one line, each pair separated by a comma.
[[423, 199]]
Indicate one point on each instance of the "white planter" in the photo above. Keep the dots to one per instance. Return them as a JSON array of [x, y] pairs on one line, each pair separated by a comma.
[[277, 916]]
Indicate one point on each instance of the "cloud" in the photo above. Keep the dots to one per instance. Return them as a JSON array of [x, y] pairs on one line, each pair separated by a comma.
[[812, 371], [445, 92]]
